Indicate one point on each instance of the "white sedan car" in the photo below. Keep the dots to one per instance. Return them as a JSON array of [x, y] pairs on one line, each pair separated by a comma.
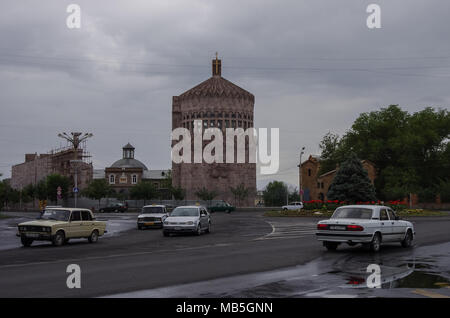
[[293, 206], [152, 216], [187, 219], [369, 225]]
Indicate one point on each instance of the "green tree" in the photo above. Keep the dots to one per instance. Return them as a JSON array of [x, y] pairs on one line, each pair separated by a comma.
[[410, 151], [206, 195], [53, 181], [144, 190], [7, 194], [351, 183], [3, 194], [177, 192], [240, 192], [41, 190], [97, 190], [275, 193], [294, 195], [330, 155]]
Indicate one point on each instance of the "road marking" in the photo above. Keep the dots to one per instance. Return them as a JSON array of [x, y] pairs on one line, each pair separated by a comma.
[[288, 231], [430, 294], [93, 258]]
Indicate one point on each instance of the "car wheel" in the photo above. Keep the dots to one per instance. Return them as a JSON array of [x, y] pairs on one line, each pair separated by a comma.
[[331, 246], [199, 230], [208, 230], [59, 238], [26, 241], [93, 238], [407, 241], [375, 245], [140, 227]]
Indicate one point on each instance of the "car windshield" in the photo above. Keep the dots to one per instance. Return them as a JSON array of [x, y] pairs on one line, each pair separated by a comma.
[[58, 215], [152, 209], [352, 213], [185, 212]]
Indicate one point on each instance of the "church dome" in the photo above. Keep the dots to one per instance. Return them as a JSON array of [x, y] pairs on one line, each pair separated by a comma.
[[129, 163], [128, 160]]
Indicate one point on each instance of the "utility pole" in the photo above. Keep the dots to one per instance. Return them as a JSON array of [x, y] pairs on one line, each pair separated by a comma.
[[302, 151], [75, 139]]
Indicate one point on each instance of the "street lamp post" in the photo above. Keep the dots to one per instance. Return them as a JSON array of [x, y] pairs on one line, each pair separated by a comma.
[[75, 139], [302, 151]]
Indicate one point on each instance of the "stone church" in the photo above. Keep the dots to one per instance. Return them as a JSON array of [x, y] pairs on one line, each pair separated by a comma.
[[221, 104]]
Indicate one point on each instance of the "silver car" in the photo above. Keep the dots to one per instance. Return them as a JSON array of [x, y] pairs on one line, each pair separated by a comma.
[[187, 219]]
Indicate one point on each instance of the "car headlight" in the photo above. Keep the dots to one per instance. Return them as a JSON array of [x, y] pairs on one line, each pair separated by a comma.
[[22, 228], [46, 229], [190, 223], [166, 222]]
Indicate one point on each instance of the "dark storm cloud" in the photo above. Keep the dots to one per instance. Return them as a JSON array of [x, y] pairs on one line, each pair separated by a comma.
[[313, 66]]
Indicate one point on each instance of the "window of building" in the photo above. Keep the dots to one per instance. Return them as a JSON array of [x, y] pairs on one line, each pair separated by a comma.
[[205, 123], [212, 123], [318, 185], [309, 172], [112, 179], [233, 124], [134, 179]]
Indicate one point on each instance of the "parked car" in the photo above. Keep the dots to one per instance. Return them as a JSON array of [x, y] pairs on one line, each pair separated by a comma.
[[58, 225], [293, 206], [152, 216], [369, 225], [187, 219], [222, 206], [115, 207]]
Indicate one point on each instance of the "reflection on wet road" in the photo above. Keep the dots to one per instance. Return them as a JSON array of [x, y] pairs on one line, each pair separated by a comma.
[[414, 272]]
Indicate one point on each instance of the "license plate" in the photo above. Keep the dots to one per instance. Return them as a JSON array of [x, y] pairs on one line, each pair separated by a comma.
[[31, 235], [338, 227], [177, 229], [150, 223]]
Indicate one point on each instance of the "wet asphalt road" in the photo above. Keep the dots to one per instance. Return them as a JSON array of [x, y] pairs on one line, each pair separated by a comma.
[[246, 255]]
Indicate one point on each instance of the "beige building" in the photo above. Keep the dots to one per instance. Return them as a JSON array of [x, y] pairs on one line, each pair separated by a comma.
[[38, 167], [315, 186], [125, 173], [220, 104]]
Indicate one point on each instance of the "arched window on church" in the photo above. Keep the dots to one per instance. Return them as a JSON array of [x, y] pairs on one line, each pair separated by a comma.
[[112, 179], [134, 179]]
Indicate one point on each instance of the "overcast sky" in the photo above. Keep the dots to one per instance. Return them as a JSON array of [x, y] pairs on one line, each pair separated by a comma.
[[312, 65]]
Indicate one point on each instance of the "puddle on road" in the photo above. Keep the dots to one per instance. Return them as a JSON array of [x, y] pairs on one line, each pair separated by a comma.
[[338, 274]]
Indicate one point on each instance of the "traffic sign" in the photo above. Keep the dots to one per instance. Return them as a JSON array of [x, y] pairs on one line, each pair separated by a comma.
[[76, 190]]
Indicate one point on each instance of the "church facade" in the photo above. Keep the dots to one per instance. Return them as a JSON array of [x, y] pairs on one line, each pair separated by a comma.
[[218, 103]]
